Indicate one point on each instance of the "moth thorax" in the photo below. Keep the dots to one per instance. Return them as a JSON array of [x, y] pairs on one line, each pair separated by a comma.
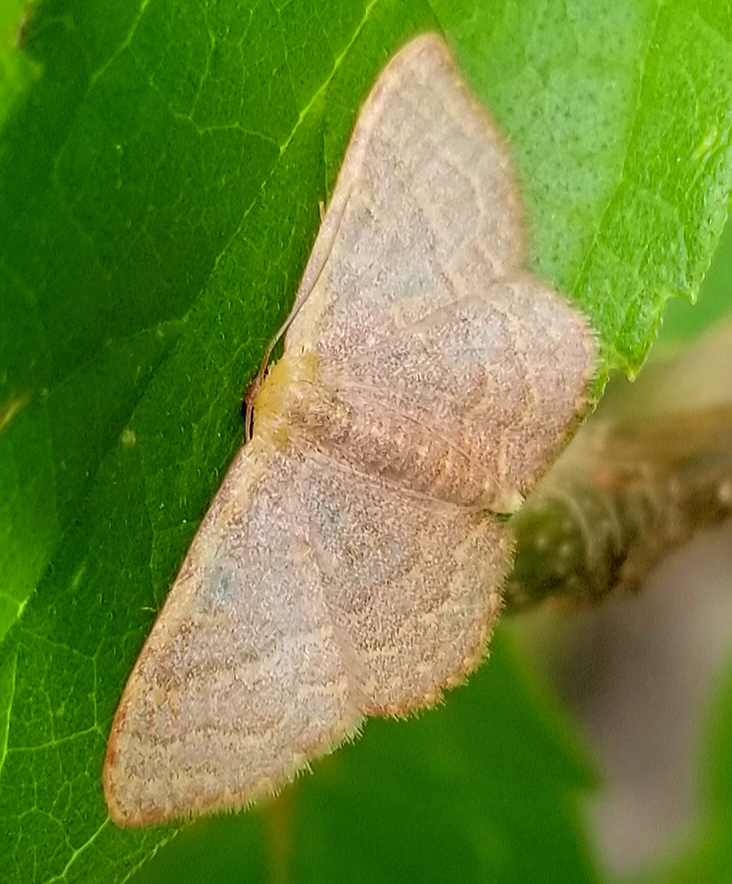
[[289, 385]]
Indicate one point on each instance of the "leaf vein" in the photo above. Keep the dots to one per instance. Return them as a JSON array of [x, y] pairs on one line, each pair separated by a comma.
[[6, 735]]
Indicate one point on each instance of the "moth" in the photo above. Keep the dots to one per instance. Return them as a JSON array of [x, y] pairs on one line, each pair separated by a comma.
[[351, 563]]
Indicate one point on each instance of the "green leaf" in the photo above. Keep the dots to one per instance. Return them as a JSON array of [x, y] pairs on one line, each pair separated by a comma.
[[161, 165], [619, 114]]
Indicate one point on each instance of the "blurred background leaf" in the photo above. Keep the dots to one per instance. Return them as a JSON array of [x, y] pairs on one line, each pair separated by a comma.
[[683, 320], [705, 852], [161, 166]]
